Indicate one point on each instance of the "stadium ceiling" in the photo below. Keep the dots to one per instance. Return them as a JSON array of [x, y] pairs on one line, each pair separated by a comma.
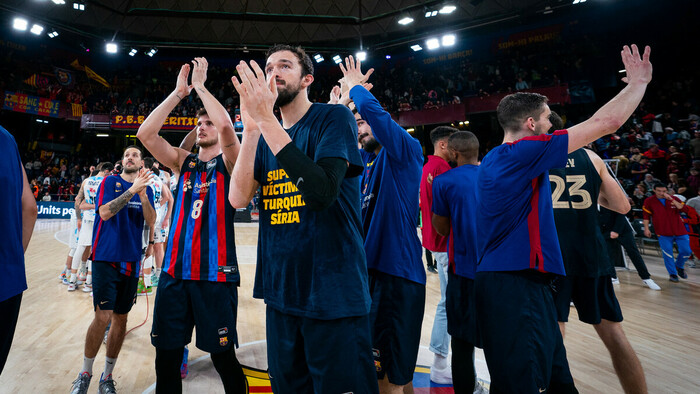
[[254, 25]]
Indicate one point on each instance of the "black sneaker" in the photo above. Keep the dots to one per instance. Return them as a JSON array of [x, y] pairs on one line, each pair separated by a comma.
[[681, 273], [673, 278], [431, 268]]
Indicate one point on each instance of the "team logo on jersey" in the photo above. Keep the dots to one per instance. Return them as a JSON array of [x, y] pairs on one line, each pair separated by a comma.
[[223, 341], [118, 187], [191, 164], [211, 164]]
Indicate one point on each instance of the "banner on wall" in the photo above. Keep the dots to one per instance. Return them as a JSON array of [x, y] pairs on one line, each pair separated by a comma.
[[55, 209], [30, 104], [171, 123]]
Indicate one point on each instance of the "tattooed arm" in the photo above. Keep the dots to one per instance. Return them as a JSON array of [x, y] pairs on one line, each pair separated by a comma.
[[111, 208], [78, 200]]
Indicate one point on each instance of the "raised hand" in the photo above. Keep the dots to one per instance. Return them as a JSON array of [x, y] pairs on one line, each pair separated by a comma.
[[142, 180], [183, 89], [335, 95], [352, 72], [258, 95], [249, 125], [199, 73], [638, 67]]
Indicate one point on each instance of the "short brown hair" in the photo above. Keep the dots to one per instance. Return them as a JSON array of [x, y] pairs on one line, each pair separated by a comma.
[[201, 112], [515, 108], [134, 147], [307, 66]]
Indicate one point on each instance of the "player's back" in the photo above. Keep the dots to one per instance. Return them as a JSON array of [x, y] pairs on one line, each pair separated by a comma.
[[575, 191]]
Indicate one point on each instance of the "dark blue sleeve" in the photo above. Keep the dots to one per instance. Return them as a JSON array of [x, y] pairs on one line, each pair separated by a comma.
[[400, 146], [151, 197], [338, 138], [532, 156], [258, 166], [440, 200]]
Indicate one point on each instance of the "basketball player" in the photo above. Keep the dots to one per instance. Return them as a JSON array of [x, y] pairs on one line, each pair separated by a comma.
[[454, 211], [391, 180], [18, 213], [163, 218], [436, 244], [311, 268], [124, 202], [577, 190], [519, 252], [73, 234], [200, 278], [86, 208]]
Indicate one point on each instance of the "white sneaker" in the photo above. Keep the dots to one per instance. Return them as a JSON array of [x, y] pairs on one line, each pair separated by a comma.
[[615, 281], [87, 288], [441, 376], [72, 286], [651, 284]]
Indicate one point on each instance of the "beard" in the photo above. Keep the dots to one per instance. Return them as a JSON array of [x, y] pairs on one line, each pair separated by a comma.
[[129, 170], [287, 94], [206, 144], [370, 145]]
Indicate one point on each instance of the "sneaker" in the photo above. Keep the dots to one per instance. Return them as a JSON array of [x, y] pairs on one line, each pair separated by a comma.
[[82, 276], [140, 287], [615, 281], [651, 284], [431, 268], [691, 264], [65, 281], [62, 277], [673, 278], [479, 389], [79, 282], [183, 366], [682, 274], [441, 376], [146, 291], [81, 384], [87, 288], [72, 286], [107, 385]]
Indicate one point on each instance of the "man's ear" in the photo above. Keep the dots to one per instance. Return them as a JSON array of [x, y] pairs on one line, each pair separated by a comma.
[[307, 80]]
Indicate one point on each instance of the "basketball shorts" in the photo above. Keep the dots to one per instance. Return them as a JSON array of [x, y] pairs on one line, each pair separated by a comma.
[[85, 234], [112, 290], [319, 356], [461, 309], [396, 318], [183, 304], [594, 299], [520, 335], [161, 233]]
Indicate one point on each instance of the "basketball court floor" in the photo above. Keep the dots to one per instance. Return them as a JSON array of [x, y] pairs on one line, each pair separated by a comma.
[[662, 326]]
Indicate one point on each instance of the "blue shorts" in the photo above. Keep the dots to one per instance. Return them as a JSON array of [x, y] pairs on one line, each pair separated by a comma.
[[594, 299], [396, 319], [112, 290], [183, 304], [319, 356], [520, 334], [461, 309]]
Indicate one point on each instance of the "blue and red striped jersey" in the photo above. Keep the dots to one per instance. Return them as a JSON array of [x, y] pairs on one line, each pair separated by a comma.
[[515, 217], [202, 245], [118, 240]]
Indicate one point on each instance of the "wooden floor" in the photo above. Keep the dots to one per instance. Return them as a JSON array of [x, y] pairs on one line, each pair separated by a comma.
[[663, 327]]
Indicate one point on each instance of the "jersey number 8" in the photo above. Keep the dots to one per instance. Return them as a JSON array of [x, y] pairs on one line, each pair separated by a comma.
[[197, 209], [577, 182]]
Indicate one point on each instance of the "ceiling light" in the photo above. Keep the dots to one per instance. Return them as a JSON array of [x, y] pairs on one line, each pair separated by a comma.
[[111, 47], [20, 24], [405, 20], [59, 2], [388, 56], [448, 40], [361, 56], [79, 6], [433, 43], [578, 1], [53, 34], [101, 135], [36, 29], [319, 58], [337, 59], [152, 52], [132, 52], [416, 48], [448, 9]]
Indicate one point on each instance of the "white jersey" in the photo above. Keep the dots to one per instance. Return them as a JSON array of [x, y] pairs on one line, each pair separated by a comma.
[[90, 191], [156, 184], [173, 182]]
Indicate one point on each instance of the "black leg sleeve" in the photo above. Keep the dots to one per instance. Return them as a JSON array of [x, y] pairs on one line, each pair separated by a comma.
[[168, 380], [429, 258], [230, 371], [463, 371], [9, 310], [627, 241]]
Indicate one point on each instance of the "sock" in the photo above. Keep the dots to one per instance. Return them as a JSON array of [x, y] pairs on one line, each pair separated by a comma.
[[440, 361], [88, 279], [109, 366], [87, 365], [147, 280], [73, 277]]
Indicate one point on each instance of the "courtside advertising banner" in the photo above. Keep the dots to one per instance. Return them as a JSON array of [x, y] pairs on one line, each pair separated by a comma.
[[55, 209]]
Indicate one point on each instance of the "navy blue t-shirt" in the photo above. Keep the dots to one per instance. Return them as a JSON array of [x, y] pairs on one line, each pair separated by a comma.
[[390, 193], [454, 197], [515, 216], [12, 277], [312, 263], [119, 240]]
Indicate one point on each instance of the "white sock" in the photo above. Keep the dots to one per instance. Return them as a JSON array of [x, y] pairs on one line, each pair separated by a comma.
[[440, 361], [88, 279], [109, 366], [147, 280], [73, 277], [87, 365]]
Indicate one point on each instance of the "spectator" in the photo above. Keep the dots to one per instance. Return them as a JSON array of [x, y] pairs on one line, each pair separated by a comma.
[[639, 169], [47, 197]]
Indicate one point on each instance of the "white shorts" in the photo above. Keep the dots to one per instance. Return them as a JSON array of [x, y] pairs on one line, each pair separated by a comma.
[[161, 233], [73, 235], [85, 235]]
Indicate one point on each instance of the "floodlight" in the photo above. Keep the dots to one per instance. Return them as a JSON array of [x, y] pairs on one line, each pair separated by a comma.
[[416, 48], [406, 20], [59, 2], [448, 40], [79, 6], [111, 47], [388, 56], [36, 29], [319, 58], [53, 34], [433, 43], [337, 59], [361, 56], [132, 52], [20, 24]]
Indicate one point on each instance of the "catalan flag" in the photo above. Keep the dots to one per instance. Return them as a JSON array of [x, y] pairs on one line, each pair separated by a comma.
[[90, 73], [77, 110]]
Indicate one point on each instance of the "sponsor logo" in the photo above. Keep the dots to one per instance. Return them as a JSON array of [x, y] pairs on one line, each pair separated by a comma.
[[223, 331], [103, 302], [223, 341], [153, 335], [211, 164], [375, 353]]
